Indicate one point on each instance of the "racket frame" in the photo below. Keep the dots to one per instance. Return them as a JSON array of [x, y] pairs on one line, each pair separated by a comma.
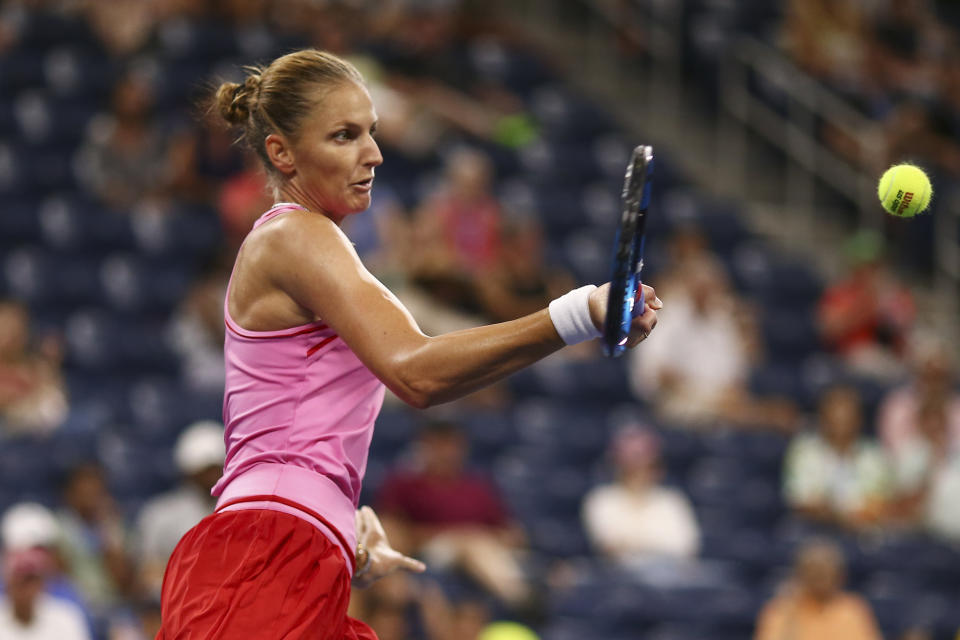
[[623, 303]]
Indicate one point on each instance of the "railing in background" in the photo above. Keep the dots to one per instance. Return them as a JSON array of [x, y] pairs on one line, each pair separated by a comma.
[[638, 45], [809, 106]]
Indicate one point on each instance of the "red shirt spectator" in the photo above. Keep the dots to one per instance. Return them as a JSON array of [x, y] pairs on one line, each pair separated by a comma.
[[469, 499], [866, 316], [453, 517]]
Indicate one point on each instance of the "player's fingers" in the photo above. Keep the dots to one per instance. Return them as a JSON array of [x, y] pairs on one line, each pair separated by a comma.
[[642, 326], [650, 296], [412, 564]]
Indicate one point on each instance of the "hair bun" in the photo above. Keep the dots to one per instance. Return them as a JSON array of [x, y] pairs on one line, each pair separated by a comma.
[[236, 101]]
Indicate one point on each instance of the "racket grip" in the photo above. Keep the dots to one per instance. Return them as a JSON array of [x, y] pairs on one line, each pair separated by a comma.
[[640, 304]]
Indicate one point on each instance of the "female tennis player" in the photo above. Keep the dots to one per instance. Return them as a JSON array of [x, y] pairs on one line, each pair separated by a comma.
[[312, 338]]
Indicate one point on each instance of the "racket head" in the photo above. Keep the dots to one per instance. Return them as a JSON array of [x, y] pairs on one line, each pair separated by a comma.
[[628, 253]]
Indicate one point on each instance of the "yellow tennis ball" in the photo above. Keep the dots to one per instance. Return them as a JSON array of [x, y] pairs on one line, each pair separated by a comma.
[[904, 190], [507, 631]]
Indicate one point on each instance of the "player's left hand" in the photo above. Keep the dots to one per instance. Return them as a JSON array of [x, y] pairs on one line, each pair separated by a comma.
[[384, 559]]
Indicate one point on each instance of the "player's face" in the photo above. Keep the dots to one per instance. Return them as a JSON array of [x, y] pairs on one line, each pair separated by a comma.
[[336, 153]]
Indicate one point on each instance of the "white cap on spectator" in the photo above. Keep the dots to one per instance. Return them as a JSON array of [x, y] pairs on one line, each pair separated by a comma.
[[200, 446], [27, 525]]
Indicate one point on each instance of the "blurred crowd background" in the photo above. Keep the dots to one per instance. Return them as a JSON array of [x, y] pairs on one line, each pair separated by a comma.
[[781, 458]]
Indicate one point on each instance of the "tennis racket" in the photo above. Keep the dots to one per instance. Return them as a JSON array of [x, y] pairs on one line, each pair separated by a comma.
[[623, 304]]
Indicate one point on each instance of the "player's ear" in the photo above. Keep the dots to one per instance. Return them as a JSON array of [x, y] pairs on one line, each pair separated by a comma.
[[280, 153]]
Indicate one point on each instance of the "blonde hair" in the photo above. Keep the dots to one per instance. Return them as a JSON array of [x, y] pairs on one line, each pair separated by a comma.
[[277, 98]]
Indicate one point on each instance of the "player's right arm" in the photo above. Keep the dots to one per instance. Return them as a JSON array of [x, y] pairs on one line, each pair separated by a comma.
[[308, 258]]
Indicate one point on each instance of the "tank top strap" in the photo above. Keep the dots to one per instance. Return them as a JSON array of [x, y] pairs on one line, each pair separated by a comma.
[[275, 210]]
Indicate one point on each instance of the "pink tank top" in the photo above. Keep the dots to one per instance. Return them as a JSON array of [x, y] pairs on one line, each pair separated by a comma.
[[299, 409]]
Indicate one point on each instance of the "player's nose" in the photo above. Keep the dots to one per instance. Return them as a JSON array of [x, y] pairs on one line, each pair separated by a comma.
[[371, 154]]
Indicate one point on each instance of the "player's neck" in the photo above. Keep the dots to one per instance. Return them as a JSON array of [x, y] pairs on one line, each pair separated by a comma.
[[292, 192]]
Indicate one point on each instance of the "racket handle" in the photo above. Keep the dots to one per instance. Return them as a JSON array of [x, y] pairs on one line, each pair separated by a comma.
[[640, 303]]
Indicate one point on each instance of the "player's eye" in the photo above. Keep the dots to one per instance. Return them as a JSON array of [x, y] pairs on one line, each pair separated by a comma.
[[342, 135]]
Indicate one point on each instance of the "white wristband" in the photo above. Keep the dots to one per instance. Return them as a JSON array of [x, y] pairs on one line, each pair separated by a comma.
[[570, 314]]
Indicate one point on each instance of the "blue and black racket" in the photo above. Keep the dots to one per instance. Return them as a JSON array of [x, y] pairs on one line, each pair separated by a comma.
[[624, 305]]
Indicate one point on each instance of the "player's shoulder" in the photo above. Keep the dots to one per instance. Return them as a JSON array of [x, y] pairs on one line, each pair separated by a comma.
[[292, 234], [293, 224]]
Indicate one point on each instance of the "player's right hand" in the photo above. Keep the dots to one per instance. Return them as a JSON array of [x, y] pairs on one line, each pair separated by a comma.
[[642, 324]]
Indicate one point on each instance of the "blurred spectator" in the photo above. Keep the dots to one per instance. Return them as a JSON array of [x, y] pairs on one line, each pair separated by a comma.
[[392, 605], [243, 198], [835, 475], [141, 622], [635, 517], [812, 606], [927, 473], [202, 157], [932, 383], [29, 525], [520, 282], [199, 455], [829, 39], [460, 224], [889, 59], [122, 26], [461, 616], [26, 611], [386, 614], [453, 517], [12, 18], [196, 329], [865, 317], [916, 633], [695, 370], [32, 395], [906, 44], [94, 541], [124, 159]]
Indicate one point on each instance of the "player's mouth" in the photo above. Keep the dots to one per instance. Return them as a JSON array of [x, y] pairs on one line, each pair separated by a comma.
[[363, 186]]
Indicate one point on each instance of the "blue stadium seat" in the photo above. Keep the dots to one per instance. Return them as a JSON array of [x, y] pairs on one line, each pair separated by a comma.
[[751, 267], [195, 40], [558, 537], [185, 232], [394, 432], [132, 283], [89, 340], [78, 73], [565, 628], [491, 432], [794, 284], [25, 467], [753, 550], [47, 123], [42, 277], [563, 116], [156, 409], [722, 225], [20, 69], [132, 468], [565, 432], [596, 380], [19, 224], [778, 379]]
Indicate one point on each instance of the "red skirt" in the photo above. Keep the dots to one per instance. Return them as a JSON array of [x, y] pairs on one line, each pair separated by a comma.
[[257, 574]]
